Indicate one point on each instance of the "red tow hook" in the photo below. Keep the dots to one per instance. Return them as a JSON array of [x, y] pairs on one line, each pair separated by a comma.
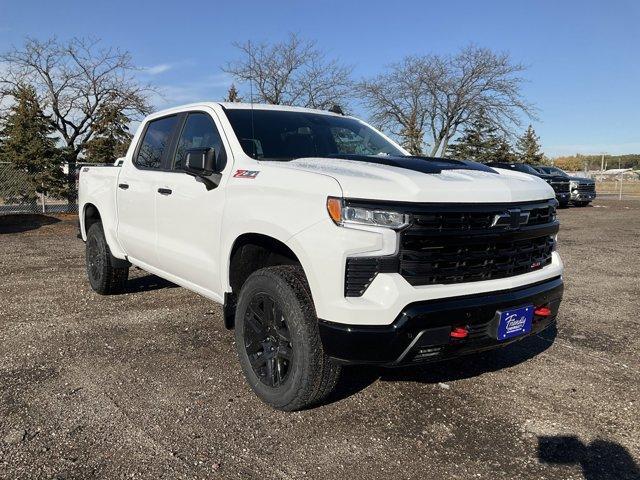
[[542, 311], [459, 332]]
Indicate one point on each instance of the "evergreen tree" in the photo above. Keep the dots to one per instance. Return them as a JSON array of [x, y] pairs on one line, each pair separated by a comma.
[[111, 136], [26, 143], [233, 95], [482, 142], [504, 151], [528, 147]]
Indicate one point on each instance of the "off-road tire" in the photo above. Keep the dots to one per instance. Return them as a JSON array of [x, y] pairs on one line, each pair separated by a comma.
[[312, 375], [103, 277]]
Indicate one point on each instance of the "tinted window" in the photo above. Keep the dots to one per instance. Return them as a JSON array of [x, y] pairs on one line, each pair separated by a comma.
[[526, 169], [281, 135], [554, 171], [156, 140], [199, 132]]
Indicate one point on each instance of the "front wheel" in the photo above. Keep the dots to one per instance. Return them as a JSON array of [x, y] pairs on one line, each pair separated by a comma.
[[278, 341]]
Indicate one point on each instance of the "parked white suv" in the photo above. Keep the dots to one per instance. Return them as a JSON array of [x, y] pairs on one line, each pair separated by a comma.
[[324, 240]]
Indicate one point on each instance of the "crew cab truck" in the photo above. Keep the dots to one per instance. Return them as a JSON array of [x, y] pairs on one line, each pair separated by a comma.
[[559, 183], [324, 240], [583, 189]]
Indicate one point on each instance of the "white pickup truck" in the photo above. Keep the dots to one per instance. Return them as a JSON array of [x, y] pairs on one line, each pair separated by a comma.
[[325, 241]]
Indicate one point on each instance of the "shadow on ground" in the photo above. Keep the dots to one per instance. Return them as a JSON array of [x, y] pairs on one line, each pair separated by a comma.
[[18, 223], [355, 379], [148, 283], [600, 460]]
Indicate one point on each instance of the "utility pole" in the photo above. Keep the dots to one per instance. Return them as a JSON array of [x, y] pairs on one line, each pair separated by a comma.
[[602, 163]]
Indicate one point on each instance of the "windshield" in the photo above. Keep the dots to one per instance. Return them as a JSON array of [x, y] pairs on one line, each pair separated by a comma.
[[519, 167], [554, 171], [282, 135]]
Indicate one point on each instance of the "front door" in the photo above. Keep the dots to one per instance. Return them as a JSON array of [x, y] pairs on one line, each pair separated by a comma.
[[188, 216]]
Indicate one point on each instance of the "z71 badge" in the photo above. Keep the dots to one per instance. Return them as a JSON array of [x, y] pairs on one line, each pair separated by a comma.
[[246, 173]]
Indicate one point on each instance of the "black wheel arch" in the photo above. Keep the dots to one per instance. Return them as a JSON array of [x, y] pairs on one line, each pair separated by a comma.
[[91, 215], [251, 252]]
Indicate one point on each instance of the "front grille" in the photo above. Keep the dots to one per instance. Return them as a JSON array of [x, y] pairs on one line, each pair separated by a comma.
[[560, 186], [460, 243], [586, 187], [461, 221], [427, 261]]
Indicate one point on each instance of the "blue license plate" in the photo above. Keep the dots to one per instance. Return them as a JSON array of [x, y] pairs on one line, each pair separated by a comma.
[[515, 322]]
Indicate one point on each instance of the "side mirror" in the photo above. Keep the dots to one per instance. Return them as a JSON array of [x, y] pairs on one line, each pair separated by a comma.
[[200, 161]]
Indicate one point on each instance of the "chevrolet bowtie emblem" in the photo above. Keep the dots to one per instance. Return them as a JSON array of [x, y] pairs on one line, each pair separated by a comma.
[[511, 219]]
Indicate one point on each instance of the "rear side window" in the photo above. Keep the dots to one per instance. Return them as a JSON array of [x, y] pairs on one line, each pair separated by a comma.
[[155, 142], [199, 132]]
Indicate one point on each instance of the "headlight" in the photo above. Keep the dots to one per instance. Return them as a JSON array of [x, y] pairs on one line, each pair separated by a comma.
[[342, 214], [574, 185]]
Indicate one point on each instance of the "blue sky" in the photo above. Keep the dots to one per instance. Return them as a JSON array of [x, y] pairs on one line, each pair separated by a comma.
[[583, 56]]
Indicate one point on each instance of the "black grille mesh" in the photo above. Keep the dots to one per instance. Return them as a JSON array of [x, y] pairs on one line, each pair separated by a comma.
[[586, 187], [560, 186], [426, 261], [462, 244]]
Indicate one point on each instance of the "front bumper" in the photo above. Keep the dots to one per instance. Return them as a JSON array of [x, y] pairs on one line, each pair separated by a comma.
[[421, 333], [563, 197], [577, 196]]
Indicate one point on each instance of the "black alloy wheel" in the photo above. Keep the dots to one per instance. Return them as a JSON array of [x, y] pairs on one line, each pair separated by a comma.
[[267, 340]]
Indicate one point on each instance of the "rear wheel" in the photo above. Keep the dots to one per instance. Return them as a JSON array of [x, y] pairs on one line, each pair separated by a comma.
[[103, 276], [278, 342]]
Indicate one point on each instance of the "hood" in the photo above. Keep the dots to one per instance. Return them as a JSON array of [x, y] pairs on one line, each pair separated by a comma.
[[581, 179], [549, 177], [466, 184]]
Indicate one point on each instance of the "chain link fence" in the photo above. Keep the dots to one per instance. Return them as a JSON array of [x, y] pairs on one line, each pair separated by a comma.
[[19, 193], [621, 183]]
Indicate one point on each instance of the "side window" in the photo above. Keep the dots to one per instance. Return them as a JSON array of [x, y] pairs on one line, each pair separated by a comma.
[[156, 140], [199, 132]]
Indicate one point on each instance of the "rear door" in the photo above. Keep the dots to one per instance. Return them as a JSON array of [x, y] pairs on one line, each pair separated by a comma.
[[188, 216], [137, 190]]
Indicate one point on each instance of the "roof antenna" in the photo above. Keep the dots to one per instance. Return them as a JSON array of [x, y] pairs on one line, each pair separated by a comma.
[[335, 108], [253, 133]]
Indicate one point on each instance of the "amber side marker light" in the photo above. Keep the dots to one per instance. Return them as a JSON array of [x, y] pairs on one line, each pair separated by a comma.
[[334, 207]]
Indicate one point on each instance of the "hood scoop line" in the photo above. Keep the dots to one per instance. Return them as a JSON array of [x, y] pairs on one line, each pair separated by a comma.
[[429, 165]]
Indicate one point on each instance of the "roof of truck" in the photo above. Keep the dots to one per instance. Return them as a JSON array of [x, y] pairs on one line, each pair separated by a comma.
[[265, 106], [243, 106]]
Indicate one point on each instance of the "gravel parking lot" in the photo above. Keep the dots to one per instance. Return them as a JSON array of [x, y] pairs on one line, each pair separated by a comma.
[[146, 384]]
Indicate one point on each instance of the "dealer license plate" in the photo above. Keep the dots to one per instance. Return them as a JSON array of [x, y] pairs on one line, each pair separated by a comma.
[[515, 322]]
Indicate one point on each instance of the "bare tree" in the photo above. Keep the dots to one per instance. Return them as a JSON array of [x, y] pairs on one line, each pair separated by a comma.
[[443, 93], [399, 100], [73, 81], [292, 72]]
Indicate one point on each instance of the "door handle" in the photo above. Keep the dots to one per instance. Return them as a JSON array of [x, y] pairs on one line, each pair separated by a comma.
[[123, 186], [164, 191]]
